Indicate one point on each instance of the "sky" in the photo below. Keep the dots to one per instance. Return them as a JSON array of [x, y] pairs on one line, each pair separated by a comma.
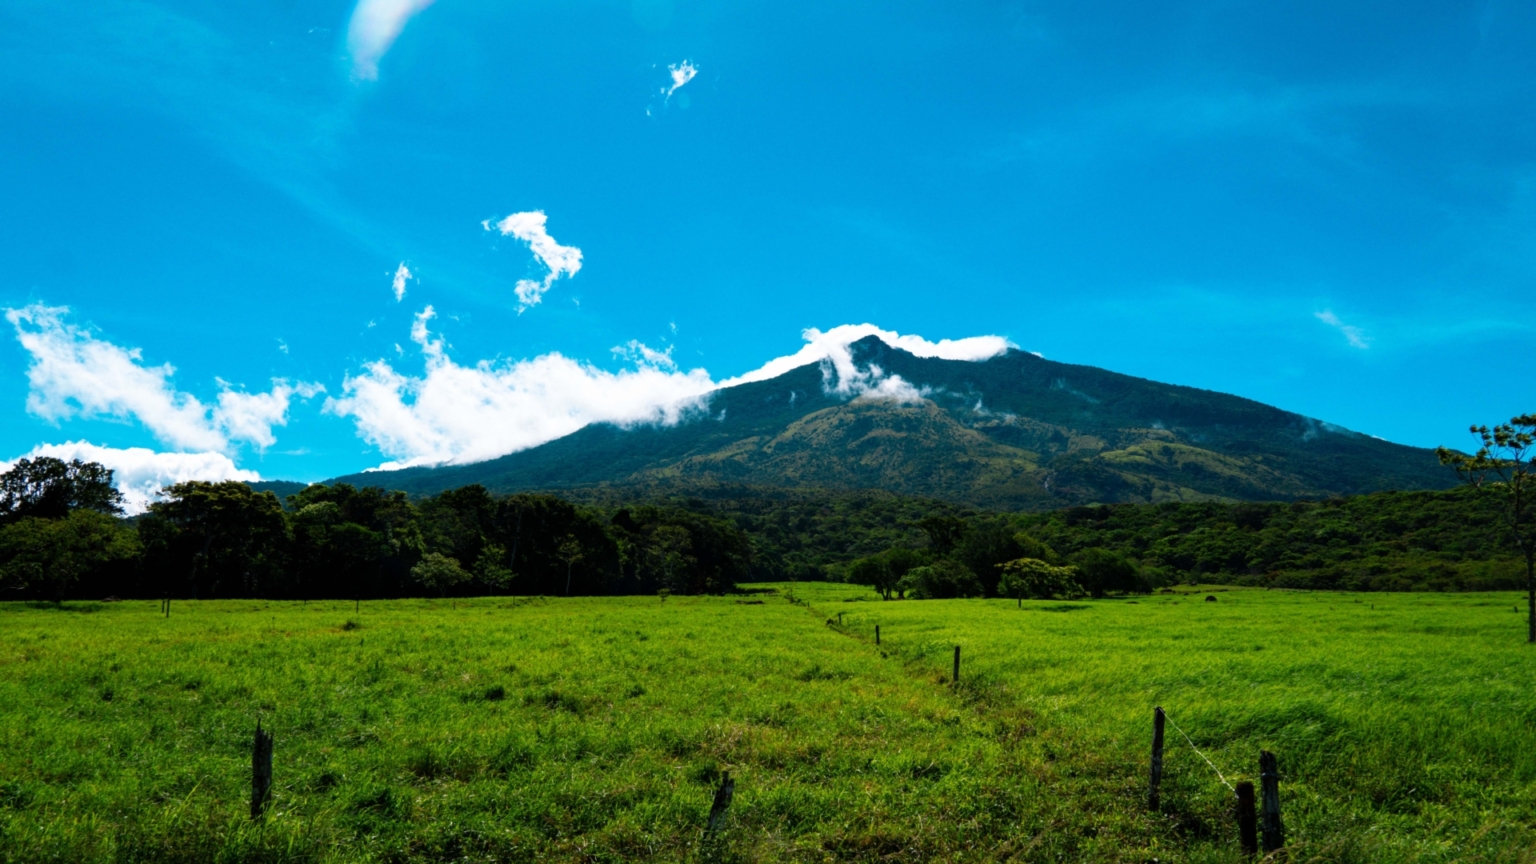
[[297, 239]]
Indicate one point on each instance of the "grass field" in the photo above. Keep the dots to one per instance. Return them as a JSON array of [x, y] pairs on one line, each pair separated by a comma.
[[595, 729]]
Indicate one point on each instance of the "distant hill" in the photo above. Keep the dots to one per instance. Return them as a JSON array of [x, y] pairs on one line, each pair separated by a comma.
[[281, 488], [1016, 431]]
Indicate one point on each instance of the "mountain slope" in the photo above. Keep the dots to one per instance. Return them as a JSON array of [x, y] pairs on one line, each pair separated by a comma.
[[1014, 431]]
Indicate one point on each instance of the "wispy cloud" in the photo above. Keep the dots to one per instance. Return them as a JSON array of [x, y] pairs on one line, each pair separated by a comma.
[[140, 473], [560, 260], [75, 374], [402, 275], [1354, 335], [681, 73], [374, 27], [459, 414]]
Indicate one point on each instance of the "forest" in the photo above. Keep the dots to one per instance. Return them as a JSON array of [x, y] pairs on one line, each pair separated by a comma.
[[63, 535]]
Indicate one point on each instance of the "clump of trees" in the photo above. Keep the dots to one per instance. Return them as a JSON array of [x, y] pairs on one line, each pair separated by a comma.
[[61, 534], [984, 556], [58, 524]]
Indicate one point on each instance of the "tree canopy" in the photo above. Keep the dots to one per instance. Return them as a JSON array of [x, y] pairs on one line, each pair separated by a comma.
[[49, 488]]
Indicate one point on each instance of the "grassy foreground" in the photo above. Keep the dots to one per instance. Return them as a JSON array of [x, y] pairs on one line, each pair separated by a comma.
[[595, 729]]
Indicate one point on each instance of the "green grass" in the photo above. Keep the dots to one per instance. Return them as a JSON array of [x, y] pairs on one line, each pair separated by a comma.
[[596, 729]]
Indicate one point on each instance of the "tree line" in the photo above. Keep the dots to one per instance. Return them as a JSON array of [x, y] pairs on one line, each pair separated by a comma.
[[61, 536]]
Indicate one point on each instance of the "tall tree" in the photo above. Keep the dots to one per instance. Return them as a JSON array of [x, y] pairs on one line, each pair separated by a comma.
[[1503, 465], [226, 537], [51, 488]]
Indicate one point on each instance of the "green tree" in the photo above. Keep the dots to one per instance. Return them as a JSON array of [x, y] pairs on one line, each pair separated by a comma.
[[1032, 547], [983, 546], [884, 571], [1037, 580], [226, 537], [46, 557], [490, 570], [50, 488], [440, 573], [668, 551], [569, 552], [944, 579], [1503, 466], [336, 557], [1100, 571], [533, 529], [944, 532]]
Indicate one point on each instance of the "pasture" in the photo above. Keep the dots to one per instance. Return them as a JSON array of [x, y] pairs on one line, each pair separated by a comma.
[[596, 729]]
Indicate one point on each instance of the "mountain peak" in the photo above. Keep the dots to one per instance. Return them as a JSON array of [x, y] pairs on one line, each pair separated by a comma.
[[1009, 429]]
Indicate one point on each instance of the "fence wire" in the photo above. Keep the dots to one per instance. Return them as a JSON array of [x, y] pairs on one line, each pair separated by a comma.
[[1207, 759]]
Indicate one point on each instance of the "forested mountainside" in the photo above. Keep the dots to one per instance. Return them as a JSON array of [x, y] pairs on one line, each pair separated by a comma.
[[1014, 432]]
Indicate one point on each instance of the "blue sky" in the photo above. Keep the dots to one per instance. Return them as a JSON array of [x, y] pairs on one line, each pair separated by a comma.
[[1329, 207]]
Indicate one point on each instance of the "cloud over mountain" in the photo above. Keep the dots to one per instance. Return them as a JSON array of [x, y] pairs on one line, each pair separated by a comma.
[[455, 413], [458, 414]]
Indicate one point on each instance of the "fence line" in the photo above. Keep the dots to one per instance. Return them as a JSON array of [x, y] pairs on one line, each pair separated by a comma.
[[1202, 755]]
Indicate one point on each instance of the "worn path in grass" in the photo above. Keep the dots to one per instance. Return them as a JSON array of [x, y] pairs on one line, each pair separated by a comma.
[[595, 729], [1405, 724]]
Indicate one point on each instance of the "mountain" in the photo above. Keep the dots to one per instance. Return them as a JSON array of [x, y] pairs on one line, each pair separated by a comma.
[[281, 488], [1016, 431]]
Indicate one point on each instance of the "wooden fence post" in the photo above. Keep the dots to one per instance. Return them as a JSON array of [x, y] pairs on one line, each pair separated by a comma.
[[722, 803], [261, 771], [956, 679], [839, 619], [1247, 827], [1155, 786], [877, 634], [1269, 784]]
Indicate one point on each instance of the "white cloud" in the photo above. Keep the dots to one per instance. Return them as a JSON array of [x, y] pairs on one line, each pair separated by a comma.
[[681, 73], [140, 473], [1355, 336], [374, 27], [251, 416], [460, 414], [74, 374], [832, 346], [402, 275], [561, 260]]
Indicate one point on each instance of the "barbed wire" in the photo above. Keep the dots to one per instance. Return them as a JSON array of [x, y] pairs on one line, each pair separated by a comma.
[[1202, 755]]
